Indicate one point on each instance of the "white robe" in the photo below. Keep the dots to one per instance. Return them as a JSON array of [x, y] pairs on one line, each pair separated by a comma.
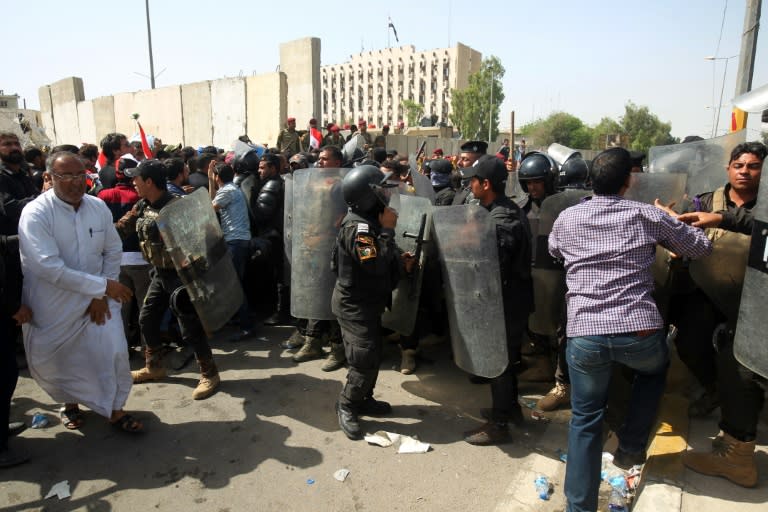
[[66, 257]]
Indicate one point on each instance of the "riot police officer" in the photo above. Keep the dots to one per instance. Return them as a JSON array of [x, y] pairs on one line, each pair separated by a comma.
[[165, 288], [537, 175], [440, 176], [368, 265], [470, 152]]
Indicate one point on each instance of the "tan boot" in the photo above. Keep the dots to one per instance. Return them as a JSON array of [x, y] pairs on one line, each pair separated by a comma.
[[729, 458], [312, 349], [557, 397], [153, 369], [408, 361], [209, 379], [336, 358]]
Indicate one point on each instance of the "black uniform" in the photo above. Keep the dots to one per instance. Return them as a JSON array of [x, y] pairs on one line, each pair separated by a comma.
[[444, 196], [267, 203], [367, 263], [513, 235]]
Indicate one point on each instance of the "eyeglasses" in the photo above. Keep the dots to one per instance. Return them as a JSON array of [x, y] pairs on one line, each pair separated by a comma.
[[69, 177]]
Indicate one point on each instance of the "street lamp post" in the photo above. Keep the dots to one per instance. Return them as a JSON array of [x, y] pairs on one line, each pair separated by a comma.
[[722, 88], [149, 43]]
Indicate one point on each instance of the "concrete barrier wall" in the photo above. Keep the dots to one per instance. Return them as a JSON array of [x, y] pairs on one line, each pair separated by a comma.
[[64, 97], [266, 106], [103, 117], [196, 113], [85, 121], [227, 111], [46, 112]]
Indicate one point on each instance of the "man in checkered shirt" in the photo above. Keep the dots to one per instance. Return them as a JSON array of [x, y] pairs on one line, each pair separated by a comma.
[[608, 244]]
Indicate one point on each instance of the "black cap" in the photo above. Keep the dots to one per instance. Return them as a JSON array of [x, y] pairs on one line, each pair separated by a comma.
[[474, 146], [391, 152], [487, 167], [153, 168]]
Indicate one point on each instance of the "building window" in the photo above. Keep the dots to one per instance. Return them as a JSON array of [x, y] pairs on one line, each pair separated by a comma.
[[3, 104]]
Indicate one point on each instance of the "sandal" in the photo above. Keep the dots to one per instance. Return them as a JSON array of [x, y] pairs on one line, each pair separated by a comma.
[[72, 418], [127, 423]]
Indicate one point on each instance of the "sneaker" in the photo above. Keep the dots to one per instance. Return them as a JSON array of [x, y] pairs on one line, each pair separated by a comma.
[[557, 397], [625, 460], [488, 434]]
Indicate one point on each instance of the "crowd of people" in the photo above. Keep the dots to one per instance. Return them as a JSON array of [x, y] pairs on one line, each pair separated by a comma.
[[87, 274]]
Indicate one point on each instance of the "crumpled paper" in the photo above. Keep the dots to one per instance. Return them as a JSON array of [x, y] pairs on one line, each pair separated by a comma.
[[341, 474], [60, 490], [406, 444]]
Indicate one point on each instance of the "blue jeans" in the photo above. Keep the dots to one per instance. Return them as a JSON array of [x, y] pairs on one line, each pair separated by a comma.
[[589, 361], [238, 249]]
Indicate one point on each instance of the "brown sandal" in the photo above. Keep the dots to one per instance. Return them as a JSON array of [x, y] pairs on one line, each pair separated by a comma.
[[72, 418]]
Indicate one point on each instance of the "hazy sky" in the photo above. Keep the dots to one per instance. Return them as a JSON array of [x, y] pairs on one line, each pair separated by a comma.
[[587, 58]]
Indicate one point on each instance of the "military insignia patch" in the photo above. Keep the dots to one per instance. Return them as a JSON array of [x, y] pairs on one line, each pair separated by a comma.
[[365, 246]]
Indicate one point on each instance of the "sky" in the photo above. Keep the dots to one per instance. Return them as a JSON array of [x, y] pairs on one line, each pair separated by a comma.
[[587, 58]]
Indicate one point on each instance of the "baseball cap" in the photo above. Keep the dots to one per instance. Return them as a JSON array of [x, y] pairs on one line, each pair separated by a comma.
[[487, 167]]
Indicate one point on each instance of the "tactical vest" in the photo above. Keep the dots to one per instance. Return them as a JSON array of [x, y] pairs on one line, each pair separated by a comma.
[[150, 241]]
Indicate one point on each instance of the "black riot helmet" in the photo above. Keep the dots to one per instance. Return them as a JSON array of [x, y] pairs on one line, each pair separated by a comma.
[[573, 173], [364, 189], [247, 158], [538, 166]]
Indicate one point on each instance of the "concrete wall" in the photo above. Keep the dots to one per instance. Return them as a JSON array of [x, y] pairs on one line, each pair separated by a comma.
[[196, 113], [300, 61], [266, 106], [46, 111], [103, 117], [227, 111], [64, 97], [85, 121]]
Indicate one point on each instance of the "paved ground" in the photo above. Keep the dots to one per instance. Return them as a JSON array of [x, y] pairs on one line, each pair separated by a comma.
[[268, 440]]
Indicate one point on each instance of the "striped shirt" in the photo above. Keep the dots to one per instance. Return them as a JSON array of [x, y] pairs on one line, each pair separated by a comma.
[[608, 244]]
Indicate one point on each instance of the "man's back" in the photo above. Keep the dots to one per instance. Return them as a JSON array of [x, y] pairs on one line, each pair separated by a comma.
[[608, 244]]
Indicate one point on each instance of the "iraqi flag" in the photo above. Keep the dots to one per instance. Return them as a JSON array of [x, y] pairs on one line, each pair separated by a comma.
[[144, 144], [394, 30], [315, 138]]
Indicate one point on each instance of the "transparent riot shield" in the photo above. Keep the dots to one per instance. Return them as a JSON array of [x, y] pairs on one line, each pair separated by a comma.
[[194, 240], [287, 226], [514, 191], [704, 162], [423, 186], [561, 154], [549, 275], [466, 240], [721, 274], [411, 233], [318, 209], [647, 187]]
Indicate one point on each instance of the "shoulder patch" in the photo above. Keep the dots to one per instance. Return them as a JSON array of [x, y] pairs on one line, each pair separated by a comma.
[[365, 246], [362, 227]]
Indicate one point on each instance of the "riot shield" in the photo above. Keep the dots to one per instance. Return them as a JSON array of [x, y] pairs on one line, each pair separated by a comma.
[[353, 149], [287, 226], [423, 186], [646, 187], [704, 162], [318, 208], [194, 240], [750, 347], [560, 154], [469, 257], [411, 233], [547, 274], [721, 274], [514, 191]]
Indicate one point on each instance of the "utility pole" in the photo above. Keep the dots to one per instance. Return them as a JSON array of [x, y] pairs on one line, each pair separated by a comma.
[[490, 113], [512, 133], [747, 57], [149, 41]]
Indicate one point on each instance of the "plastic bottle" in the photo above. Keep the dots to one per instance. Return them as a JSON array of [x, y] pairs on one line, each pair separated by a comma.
[[618, 500], [39, 420], [542, 487]]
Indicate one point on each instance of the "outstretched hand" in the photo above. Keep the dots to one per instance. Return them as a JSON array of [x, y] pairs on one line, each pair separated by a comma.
[[702, 219], [665, 207]]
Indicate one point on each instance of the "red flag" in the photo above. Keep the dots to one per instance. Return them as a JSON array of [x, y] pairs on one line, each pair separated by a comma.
[[315, 137], [144, 144]]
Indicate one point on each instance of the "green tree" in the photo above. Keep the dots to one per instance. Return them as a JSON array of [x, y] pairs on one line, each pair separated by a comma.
[[473, 107], [560, 127], [605, 131], [413, 111], [644, 129]]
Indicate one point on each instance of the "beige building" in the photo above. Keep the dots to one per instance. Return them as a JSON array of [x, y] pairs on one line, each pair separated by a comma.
[[373, 85]]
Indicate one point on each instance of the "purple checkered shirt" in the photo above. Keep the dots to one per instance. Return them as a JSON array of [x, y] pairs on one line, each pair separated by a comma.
[[609, 244]]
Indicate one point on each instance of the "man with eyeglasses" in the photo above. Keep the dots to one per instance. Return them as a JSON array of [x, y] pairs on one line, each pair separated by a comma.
[[70, 256]]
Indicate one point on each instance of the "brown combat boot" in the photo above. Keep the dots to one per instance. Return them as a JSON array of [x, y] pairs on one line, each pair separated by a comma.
[[729, 458], [336, 358], [312, 349], [557, 397], [209, 379], [153, 369]]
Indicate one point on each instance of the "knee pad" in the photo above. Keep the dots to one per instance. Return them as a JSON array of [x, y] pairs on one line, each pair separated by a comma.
[[181, 304]]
